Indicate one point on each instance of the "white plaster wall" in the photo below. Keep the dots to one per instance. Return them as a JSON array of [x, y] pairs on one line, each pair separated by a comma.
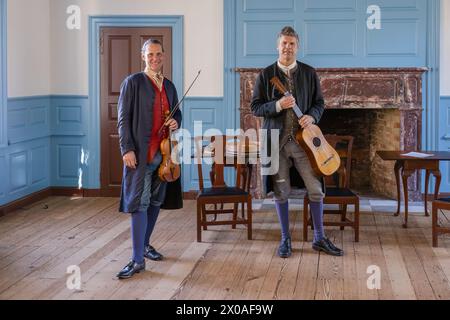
[[28, 47], [203, 41], [445, 48]]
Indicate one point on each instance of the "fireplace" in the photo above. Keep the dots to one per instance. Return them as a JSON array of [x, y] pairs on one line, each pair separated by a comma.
[[380, 107]]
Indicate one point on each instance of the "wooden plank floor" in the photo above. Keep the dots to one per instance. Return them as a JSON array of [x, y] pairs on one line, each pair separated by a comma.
[[39, 242]]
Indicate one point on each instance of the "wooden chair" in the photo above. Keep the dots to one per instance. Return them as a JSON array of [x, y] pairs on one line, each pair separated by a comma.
[[340, 192], [442, 204], [220, 193]]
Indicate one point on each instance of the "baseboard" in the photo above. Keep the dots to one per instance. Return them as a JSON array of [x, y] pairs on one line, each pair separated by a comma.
[[89, 193], [22, 202], [52, 191], [190, 195], [66, 192]]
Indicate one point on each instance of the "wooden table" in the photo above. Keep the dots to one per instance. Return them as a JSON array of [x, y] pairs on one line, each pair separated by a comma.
[[407, 166]]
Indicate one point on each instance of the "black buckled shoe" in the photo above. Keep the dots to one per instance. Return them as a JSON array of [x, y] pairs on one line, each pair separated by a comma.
[[152, 254], [328, 247], [285, 248], [130, 269], [332, 246]]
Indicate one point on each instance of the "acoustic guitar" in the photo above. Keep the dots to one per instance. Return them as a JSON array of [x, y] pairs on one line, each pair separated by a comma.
[[324, 159]]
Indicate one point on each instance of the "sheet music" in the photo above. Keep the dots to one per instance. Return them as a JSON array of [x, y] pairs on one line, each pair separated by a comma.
[[417, 154]]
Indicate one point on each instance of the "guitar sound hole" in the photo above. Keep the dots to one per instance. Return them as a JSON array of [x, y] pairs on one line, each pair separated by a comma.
[[316, 142]]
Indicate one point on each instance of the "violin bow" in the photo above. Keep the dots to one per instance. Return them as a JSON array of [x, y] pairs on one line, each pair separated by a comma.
[[177, 106]]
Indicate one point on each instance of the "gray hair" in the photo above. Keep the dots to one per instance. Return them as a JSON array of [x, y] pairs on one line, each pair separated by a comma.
[[290, 32], [149, 42]]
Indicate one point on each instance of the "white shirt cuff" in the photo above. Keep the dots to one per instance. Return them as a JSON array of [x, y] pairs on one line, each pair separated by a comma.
[[278, 106]]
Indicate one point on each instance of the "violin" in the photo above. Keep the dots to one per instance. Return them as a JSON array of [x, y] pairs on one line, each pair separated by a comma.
[[168, 170]]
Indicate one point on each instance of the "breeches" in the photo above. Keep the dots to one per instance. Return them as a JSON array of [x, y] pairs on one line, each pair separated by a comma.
[[292, 152], [154, 189]]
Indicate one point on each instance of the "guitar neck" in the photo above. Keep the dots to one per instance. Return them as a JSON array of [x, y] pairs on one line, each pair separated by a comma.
[[296, 109], [281, 88]]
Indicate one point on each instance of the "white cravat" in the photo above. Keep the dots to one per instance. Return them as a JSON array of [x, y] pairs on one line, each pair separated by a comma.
[[287, 69], [157, 77]]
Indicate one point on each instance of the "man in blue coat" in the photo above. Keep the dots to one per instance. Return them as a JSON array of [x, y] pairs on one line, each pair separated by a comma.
[[145, 98], [304, 85]]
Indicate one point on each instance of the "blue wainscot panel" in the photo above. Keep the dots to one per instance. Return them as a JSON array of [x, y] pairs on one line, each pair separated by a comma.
[[19, 171], [67, 162], [39, 159], [24, 169], [330, 38], [256, 33], [210, 112], [406, 32], [28, 118], [69, 122], [69, 115]]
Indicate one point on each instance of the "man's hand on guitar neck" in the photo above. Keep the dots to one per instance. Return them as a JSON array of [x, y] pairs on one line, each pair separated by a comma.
[[306, 121], [287, 102]]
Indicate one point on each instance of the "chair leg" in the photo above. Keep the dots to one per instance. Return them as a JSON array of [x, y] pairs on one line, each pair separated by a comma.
[[199, 222], [434, 219], [343, 214], [305, 219], [221, 208], [356, 222], [249, 218], [205, 227], [235, 213]]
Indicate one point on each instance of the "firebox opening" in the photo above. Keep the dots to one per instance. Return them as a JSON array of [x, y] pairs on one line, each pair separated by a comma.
[[372, 130]]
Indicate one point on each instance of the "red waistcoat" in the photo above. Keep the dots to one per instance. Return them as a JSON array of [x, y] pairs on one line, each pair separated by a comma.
[[160, 106]]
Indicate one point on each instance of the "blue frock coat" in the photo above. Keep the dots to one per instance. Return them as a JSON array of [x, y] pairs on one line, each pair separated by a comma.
[[135, 121]]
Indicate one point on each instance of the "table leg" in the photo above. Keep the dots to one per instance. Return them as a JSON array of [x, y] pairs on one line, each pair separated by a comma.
[[405, 176], [397, 168], [437, 174], [427, 179]]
